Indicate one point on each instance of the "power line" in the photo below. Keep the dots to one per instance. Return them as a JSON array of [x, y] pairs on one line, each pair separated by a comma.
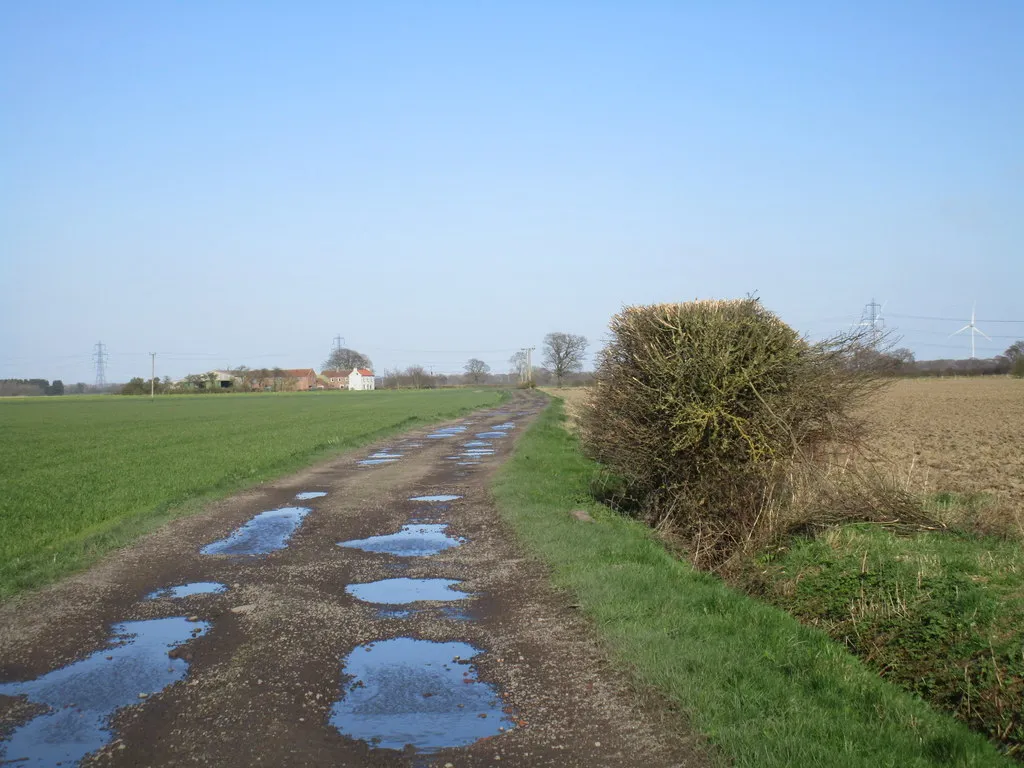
[[950, 319]]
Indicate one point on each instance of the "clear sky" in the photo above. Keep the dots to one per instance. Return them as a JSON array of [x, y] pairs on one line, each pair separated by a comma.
[[235, 183]]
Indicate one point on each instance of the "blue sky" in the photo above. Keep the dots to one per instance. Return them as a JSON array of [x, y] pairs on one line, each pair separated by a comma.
[[236, 183]]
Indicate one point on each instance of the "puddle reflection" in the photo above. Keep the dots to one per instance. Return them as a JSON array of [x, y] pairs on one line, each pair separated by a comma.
[[416, 692]]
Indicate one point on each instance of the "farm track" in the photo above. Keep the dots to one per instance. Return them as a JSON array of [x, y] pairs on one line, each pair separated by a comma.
[[264, 675]]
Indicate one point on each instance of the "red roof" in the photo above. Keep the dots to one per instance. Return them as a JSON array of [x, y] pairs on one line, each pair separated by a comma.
[[335, 374], [364, 372], [300, 372]]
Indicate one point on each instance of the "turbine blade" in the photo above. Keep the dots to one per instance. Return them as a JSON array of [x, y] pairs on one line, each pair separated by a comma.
[[954, 333], [983, 333]]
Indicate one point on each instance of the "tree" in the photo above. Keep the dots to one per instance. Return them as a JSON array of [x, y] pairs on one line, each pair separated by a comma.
[[418, 377], [79, 388], [563, 354], [57, 388], [343, 359], [1015, 351], [136, 386], [518, 363], [1014, 356], [477, 370]]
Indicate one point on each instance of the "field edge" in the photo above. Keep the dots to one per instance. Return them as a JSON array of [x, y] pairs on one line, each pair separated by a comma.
[[84, 550], [763, 688]]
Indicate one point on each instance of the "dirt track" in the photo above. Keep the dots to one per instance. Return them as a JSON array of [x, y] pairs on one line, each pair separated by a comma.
[[264, 675]]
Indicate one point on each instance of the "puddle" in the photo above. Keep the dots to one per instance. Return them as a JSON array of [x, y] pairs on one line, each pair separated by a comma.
[[385, 455], [490, 435], [455, 614], [477, 444], [386, 613], [478, 452], [436, 497], [447, 432], [184, 590], [415, 692], [372, 462], [264, 533], [402, 591], [506, 425], [469, 463], [307, 495], [417, 540], [82, 696]]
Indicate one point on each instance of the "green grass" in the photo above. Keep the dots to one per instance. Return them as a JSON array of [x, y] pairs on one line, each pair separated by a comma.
[[940, 614], [765, 689], [83, 475]]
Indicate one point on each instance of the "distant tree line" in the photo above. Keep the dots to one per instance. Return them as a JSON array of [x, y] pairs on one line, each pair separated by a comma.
[[38, 387], [901, 362]]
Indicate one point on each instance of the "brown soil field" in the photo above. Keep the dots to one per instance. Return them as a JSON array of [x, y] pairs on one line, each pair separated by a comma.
[[943, 435], [961, 435]]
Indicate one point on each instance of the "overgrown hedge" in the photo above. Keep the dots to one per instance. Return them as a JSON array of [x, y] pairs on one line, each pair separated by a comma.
[[711, 414]]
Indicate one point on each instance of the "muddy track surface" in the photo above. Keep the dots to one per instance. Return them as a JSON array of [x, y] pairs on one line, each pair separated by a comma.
[[356, 624]]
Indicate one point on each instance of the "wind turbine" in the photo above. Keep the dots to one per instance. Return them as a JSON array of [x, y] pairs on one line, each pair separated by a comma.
[[973, 329]]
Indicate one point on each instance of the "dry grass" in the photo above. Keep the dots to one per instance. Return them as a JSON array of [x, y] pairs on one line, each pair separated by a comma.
[[955, 435], [574, 398]]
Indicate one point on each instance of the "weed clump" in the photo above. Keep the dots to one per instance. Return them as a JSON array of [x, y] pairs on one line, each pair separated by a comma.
[[719, 421]]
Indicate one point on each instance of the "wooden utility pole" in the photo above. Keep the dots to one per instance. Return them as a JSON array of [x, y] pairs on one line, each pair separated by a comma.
[[152, 376]]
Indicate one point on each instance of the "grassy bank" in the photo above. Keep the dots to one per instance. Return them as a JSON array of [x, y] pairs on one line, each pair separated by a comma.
[[940, 614], [84, 475], [765, 689]]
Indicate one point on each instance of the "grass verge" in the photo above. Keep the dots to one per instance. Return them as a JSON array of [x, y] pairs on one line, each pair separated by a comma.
[[83, 476], [939, 614], [764, 689]]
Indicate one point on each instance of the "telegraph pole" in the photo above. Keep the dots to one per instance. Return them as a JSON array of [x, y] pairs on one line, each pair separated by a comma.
[[152, 376], [529, 364]]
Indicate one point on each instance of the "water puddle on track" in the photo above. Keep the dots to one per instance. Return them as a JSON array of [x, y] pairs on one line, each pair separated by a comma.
[[447, 432], [490, 435], [184, 590], [403, 591], [389, 613], [385, 455], [436, 497], [266, 532], [307, 495], [416, 692], [415, 540], [478, 444], [374, 462], [84, 695]]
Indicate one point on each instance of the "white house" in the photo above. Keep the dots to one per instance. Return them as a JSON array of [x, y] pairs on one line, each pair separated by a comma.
[[360, 378]]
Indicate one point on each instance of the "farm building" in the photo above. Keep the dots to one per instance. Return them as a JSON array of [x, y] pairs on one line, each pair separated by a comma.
[[221, 380], [304, 378], [335, 379], [361, 378]]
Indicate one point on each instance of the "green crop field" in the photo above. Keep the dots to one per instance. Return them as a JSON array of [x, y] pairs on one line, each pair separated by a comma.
[[82, 475]]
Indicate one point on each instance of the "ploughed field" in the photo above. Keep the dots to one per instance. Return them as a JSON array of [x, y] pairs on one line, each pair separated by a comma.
[[936, 436], [82, 475], [959, 435]]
